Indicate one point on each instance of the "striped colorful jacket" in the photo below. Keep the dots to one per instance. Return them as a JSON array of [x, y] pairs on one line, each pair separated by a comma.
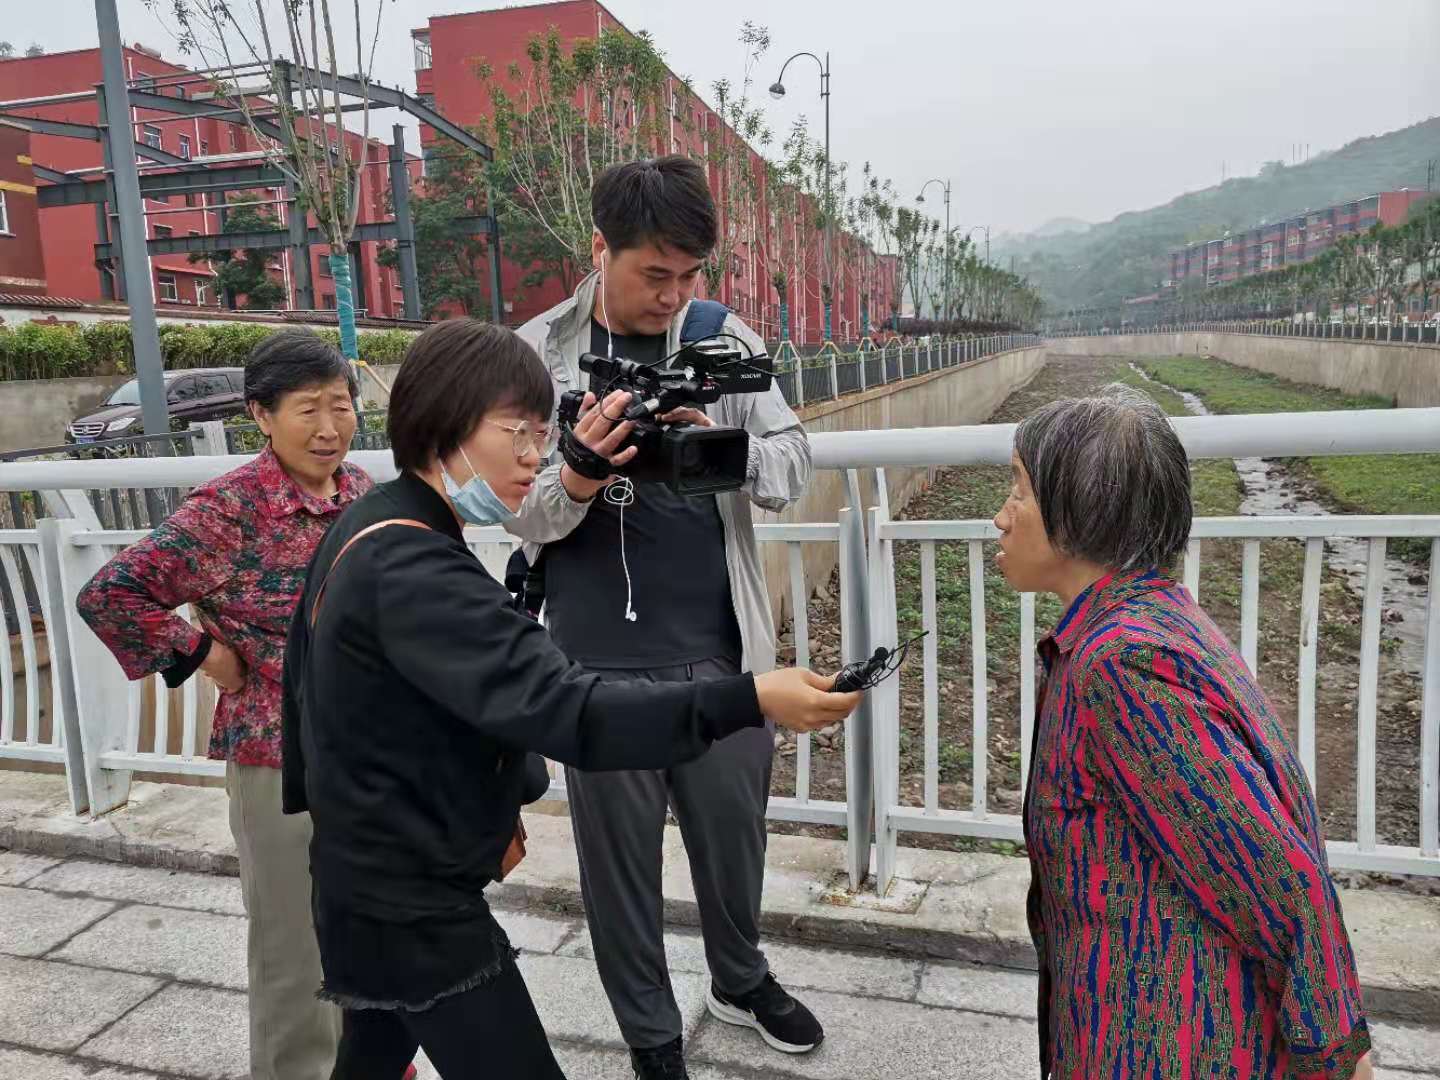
[[1180, 902]]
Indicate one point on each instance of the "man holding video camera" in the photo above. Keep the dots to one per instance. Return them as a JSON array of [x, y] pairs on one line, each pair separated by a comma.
[[642, 581]]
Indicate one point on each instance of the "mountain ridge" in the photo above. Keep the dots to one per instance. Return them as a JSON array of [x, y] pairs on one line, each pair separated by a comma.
[[1126, 256]]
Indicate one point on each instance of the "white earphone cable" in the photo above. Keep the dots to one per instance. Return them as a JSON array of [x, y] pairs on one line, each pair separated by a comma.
[[622, 492]]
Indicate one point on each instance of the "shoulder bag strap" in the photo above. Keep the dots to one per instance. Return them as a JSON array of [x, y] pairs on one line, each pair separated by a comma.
[[320, 595]]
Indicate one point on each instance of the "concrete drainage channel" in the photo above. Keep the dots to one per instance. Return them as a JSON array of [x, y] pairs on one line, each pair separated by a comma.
[[1270, 490]]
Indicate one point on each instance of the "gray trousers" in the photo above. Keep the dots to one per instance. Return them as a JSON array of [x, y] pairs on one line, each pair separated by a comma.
[[618, 818], [293, 1034]]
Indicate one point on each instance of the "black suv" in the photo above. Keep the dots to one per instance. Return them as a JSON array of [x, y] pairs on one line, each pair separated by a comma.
[[190, 396]]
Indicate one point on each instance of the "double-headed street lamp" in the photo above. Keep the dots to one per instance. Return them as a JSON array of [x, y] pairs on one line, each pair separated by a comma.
[[945, 184], [987, 240], [777, 91]]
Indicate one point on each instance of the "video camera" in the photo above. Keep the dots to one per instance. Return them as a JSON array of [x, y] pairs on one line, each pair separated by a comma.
[[691, 459]]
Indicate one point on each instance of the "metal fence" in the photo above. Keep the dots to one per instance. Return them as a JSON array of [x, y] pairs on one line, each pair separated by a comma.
[[895, 815], [104, 728], [117, 507], [830, 373], [370, 434], [1313, 329]]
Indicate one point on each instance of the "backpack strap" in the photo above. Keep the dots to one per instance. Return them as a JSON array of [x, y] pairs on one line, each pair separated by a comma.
[[704, 319], [320, 595]]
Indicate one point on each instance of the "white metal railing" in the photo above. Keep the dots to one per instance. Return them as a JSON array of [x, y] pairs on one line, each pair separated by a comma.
[[37, 712], [144, 726], [108, 728], [895, 816], [31, 717]]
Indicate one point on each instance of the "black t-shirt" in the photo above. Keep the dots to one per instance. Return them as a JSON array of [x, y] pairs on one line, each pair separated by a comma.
[[675, 548]]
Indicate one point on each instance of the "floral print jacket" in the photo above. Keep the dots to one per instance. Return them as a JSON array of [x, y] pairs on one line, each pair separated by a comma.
[[237, 549], [1181, 905]]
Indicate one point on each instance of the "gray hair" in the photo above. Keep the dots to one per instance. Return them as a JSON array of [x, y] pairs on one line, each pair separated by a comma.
[[1111, 478]]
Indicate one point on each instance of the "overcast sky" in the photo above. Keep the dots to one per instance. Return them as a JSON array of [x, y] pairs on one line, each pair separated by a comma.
[[1035, 109]]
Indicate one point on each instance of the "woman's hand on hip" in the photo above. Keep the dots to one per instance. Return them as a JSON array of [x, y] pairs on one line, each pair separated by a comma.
[[801, 700], [224, 666], [1364, 1068]]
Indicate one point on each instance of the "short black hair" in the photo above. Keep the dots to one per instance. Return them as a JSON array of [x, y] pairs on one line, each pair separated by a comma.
[[291, 360], [452, 375], [1111, 479], [665, 201]]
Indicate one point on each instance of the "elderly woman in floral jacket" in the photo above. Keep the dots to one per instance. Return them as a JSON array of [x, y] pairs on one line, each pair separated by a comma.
[[237, 550], [1181, 905]]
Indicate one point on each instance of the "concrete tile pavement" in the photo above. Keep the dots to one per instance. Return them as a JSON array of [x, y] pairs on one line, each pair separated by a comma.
[[966, 907], [117, 935], [123, 988]]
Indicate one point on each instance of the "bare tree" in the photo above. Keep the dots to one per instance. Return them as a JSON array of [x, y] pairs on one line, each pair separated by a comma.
[[297, 113], [737, 179]]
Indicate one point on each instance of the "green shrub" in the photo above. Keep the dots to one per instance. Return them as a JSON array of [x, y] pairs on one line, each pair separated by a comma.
[[41, 351], [187, 347], [44, 351], [233, 342], [110, 348], [384, 346]]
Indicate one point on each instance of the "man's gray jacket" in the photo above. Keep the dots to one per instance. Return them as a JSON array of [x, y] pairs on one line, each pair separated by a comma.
[[779, 467]]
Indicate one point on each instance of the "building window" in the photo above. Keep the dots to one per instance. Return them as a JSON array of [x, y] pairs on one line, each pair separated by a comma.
[[165, 287], [204, 148], [325, 267], [202, 292], [185, 147], [163, 232], [423, 56], [4, 215], [234, 138], [192, 200], [150, 136], [327, 301]]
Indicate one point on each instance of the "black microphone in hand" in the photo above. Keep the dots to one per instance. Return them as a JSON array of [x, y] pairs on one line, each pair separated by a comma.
[[867, 674]]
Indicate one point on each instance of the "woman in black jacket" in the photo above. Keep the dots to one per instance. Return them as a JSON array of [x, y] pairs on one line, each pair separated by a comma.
[[413, 692]]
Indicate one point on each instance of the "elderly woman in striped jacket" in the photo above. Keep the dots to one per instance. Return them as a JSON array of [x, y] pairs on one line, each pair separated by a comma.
[[1180, 904]]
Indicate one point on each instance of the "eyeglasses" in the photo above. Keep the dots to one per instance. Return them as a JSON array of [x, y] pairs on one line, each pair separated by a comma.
[[528, 437]]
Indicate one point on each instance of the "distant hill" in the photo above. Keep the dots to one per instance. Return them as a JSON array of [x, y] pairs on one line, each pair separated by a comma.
[[1060, 226], [1121, 258]]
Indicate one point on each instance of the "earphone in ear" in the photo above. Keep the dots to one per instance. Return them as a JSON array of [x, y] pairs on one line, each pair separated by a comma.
[[605, 303]]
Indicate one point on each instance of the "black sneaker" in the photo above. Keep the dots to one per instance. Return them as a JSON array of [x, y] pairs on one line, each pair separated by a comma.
[[659, 1063], [783, 1022]]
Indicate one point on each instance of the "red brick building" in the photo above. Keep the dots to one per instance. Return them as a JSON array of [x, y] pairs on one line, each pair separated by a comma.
[[449, 49], [1294, 240], [22, 254], [70, 233]]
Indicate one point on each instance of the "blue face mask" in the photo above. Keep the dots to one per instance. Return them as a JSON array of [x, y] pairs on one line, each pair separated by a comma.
[[475, 500]]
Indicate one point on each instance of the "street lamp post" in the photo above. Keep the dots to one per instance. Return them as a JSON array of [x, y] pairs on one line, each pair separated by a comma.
[[777, 91], [130, 223], [987, 241], [945, 184]]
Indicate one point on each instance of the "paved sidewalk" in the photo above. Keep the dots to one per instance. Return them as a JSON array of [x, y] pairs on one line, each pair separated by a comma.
[[945, 906], [110, 971]]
